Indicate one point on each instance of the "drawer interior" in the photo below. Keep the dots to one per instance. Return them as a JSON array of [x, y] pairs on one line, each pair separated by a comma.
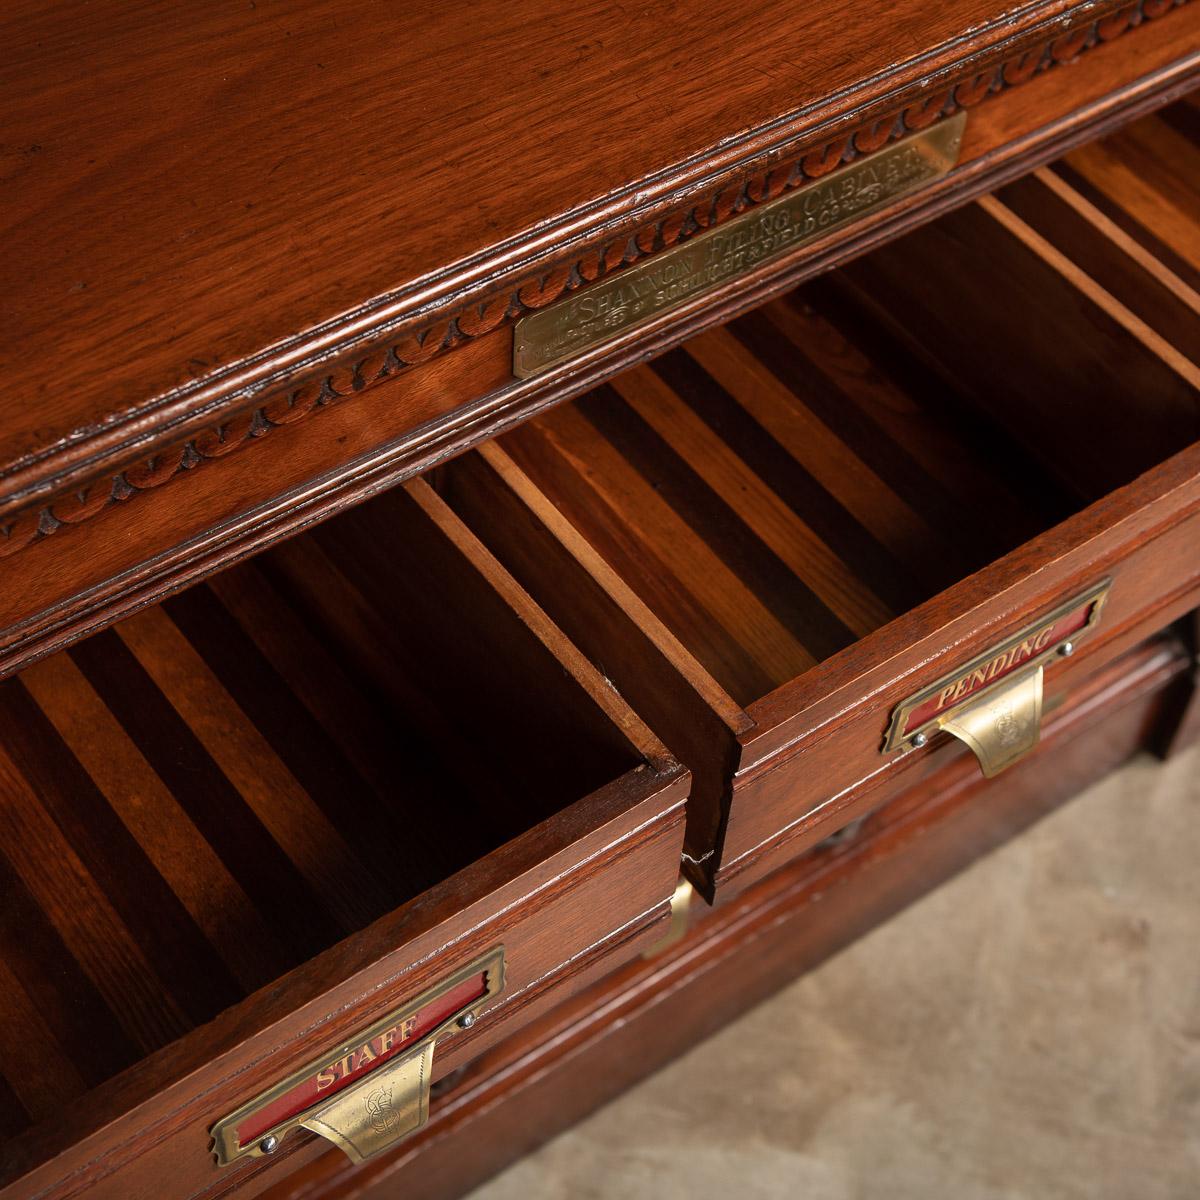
[[771, 495], [778, 488], [1066, 308], [208, 795]]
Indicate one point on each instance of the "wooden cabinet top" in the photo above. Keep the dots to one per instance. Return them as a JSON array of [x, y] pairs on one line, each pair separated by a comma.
[[202, 202]]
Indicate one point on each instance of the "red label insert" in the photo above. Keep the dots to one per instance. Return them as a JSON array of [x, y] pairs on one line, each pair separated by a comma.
[[361, 1060], [996, 668]]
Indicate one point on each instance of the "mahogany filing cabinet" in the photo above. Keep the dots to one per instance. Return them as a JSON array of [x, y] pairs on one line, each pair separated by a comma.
[[520, 534]]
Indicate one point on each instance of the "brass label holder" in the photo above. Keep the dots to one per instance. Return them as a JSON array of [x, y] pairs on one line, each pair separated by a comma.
[[993, 703], [629, 298], [369, 1092]]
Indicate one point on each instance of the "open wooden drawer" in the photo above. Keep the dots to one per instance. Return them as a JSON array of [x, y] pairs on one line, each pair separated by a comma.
[[288, 830], [903, 499]]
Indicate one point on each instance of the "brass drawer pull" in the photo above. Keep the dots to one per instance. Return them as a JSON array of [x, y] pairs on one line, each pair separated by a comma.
[[994, 702], [681, 901], [1003, 725], [373, 1089], [388, 1104]]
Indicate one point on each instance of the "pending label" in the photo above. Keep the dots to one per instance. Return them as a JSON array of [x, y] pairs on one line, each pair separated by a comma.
[[275, 1112], [1033, 644]]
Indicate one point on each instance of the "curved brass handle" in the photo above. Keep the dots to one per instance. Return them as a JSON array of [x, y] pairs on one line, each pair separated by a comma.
[[993, 702], [1003, 725], [387, 1105]]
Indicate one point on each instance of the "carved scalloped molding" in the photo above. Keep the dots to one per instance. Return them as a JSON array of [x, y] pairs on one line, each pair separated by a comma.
[[365, 370]]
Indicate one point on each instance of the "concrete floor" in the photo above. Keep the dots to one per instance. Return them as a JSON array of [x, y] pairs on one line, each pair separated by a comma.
[[1030, 1030]]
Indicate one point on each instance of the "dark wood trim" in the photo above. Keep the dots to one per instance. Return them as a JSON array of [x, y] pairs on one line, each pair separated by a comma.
[[214, 418], [82, 612]]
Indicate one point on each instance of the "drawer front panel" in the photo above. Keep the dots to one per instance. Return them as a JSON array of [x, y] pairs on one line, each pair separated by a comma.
[[786, 797], [563, 923]]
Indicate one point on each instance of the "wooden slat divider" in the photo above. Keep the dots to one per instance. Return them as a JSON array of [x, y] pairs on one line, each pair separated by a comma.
[[775, 523], [1137, 166], [84, 916], [216, 790], [1130, 321], [535, 619], [809, 441], [751, 630], [614, 585], [1128, 246], [306, 835], [36, 1068], [185, 860]]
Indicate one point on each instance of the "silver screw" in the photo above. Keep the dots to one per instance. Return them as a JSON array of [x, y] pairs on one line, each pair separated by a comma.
[[919, 739], [269, 1144], [1067, 649], [466, 1020]]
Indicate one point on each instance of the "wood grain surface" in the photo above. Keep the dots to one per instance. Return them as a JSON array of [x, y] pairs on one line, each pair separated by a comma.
[[204, 200]]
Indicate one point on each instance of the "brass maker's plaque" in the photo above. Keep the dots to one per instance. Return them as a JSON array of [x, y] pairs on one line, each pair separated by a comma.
[[370, 1091], [631, 297], [994, 702]]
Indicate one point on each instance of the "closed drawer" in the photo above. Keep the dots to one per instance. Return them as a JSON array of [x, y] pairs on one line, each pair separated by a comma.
[[775, 537], [260, 842]]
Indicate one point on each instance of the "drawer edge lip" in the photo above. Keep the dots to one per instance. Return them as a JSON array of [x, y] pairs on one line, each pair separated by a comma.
[[526, 895], [435, 303], [1164, 661]]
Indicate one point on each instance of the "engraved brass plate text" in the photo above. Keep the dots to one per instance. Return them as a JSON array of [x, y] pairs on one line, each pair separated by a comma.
[[632, 297]]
